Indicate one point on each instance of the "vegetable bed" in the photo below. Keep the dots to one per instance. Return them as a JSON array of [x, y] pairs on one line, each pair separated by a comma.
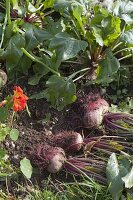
[[66, 101]]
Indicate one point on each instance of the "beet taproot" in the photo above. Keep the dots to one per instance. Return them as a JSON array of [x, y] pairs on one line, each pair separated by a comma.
[[48, 157], [94, 112], [69, 140]]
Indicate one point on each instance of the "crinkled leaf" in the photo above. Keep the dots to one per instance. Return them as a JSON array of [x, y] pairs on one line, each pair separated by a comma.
[[66, 46], [60, 91], [128, 179], [77, 13], [127, 37], [65, 6], [15, 4], [48, 4], [124, 9], [107, 67], [14, 134], [26, 167], [32, 8], [106, 29], [113, 177]]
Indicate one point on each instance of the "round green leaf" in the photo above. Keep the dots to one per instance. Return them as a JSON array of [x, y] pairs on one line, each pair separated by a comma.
[[14, 133], [2, 153], [26, 167]]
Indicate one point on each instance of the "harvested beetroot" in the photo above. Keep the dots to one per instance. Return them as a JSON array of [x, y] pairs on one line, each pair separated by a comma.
[[69, 140], [47, 157], [94, 111]]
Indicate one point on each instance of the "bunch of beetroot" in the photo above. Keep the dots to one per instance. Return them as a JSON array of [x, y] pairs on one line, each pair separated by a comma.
[[95, 111]]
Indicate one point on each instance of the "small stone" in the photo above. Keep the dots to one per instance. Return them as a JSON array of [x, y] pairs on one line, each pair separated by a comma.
[[7, 144], [23, 133], [13, 145], [16, 156]]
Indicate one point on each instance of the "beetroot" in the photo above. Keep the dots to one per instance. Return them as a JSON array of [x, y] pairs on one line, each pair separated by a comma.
[[47, 157], [69, 140], [94, 111]]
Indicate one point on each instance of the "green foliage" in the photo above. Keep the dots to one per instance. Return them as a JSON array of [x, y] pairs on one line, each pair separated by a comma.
[[4, 112], [124, 9], [36, 41], [107, 67], [119, 174], [114, 178], [106, 28], [66, 47], [14, 134], [4, 131], [26, 167]]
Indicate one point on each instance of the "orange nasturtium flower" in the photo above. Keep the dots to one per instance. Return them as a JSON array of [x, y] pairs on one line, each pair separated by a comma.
[[19, 99]]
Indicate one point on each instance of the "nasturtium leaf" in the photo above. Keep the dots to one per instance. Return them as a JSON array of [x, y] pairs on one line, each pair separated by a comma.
[[14, 134], [107, 67], [2, 153], [124, 10], [4, 131], [3, 113], [26, 167], [128, 179], [66, 46], [113, 177]]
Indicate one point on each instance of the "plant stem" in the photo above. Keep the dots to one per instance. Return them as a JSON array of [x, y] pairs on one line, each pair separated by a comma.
[[74, 74], [80, 171], [48, 13], [76, 79], [97, 53], [3, 31], [127, 48], [12, 118], [8, 11], [116, 46], [127, 56], [38, 61]]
